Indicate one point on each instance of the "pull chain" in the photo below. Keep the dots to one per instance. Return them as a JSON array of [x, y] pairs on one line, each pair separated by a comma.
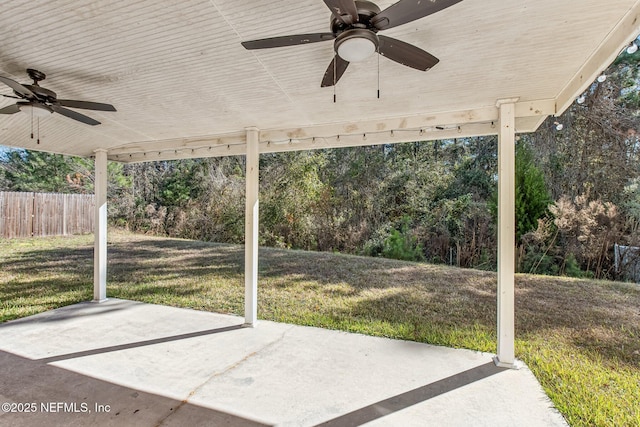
[[334, 77], [31, 122], [38, 127], [378, 72]]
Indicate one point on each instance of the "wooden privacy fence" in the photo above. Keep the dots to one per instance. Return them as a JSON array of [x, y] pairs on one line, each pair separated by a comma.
[[45, 214]]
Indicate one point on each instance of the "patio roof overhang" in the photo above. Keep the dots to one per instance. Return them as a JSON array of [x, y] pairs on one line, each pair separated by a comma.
[[184, 87]]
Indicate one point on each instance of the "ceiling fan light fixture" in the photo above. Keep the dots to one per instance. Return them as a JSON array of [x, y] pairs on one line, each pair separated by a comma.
[[356, 45], [42, 102], [632, 48], [38, 110]]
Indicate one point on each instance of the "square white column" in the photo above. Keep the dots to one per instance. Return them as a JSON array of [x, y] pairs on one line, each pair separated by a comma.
[[251, 229], [100, 228], [506, 234]]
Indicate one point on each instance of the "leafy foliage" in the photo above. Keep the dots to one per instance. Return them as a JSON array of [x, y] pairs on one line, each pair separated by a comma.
[[532, 197], [402, 245], [26, 170]]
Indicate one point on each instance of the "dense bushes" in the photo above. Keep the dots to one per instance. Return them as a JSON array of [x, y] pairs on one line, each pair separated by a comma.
[[413, 202], [432, 201]]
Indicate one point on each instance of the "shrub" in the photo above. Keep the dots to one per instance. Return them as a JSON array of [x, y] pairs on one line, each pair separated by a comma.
[[402, 245]]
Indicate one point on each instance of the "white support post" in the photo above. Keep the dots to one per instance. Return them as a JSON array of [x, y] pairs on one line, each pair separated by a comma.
[[251, 229], [506, 234], [100, 228]]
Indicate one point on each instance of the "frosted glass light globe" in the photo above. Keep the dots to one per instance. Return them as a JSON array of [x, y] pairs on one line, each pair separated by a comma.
[[356, 49]]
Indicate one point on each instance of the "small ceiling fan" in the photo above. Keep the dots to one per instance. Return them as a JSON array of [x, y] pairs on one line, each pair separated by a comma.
[[42, 102], [354, 29]]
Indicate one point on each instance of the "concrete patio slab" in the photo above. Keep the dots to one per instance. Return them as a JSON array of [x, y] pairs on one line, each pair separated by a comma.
[[129, 363]]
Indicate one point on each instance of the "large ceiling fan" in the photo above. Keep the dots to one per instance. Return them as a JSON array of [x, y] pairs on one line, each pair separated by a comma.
[[42, 102], [354, 29]]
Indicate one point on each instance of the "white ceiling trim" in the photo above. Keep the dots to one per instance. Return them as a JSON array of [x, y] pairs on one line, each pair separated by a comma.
[[445, 125], [617, 40]]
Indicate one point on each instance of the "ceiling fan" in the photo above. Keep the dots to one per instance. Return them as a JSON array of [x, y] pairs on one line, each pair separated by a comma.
[[42, 102], [354, 29]]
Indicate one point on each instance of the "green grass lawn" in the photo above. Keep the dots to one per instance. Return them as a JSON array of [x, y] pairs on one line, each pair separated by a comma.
[[581, 338]]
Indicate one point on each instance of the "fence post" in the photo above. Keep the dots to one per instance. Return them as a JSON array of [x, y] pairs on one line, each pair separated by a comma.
[[64, 215], [32, 227]]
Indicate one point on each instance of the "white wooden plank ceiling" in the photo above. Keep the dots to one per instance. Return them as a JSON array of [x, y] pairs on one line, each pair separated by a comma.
[[184, 86]]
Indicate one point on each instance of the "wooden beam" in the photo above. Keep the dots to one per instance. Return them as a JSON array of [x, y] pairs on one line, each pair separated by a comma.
[[390, 137], [624, 33], [447, 119], [181, 145], [457, 124]]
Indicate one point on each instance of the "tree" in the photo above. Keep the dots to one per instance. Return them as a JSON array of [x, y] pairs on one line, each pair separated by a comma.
[[596, 150], [532, 197], [26, 170], [291, 193], [352, 206]]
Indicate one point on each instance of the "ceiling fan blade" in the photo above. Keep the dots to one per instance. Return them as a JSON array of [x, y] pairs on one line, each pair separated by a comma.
[[406, 54], [283, 41], [86, 105], [408, 10], [335, 70], [345, 10], [75, 115], [10, 109], [18, 88]]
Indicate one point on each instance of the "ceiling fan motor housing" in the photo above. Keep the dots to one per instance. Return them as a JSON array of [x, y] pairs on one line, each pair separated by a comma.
[[366, 11], [42, 93]]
